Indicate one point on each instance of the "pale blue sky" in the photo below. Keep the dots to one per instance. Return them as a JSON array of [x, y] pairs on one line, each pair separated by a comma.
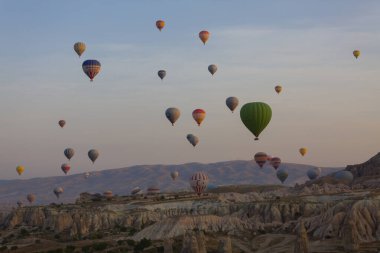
[[329, 102]]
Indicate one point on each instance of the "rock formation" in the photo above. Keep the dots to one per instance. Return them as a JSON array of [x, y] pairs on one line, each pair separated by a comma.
[[168, 246], [224, 245], [302, 242], [194, 242]]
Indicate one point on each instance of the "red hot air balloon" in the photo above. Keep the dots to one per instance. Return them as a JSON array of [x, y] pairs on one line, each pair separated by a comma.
[[65, 167], [199, 115]]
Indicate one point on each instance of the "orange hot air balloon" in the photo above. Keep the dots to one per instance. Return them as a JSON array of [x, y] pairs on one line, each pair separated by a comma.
[[204, 35], [199, 115], [160, 24]]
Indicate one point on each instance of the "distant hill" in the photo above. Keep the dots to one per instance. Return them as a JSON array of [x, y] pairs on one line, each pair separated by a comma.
[[122, 181]]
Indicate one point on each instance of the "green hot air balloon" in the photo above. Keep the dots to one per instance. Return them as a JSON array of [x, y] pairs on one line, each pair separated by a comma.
[[256, 116], [282, 175]]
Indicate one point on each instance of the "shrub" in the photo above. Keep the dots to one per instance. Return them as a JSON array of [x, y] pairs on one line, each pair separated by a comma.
[[144, 243], [86, 249], [14, 247], [38, 241], [132, 231], [100, 246], [131, 243], [24, 232], [70, 249], [3, 248]]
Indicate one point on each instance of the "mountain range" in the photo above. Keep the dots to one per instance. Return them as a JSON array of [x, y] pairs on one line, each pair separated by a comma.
[[121, 181]]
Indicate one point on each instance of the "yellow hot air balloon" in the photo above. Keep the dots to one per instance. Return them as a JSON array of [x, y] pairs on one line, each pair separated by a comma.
[[20, 169], [303, 151], [160, 24], [356, 53], [79, 48], [278, 89]]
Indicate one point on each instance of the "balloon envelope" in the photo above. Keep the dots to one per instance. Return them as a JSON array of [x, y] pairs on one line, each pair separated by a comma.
[[199, 115], [65, 167], [172, 114], [160, 24], [93, 154], [20, 169], [198, 182], [58, 191], [282, 175], [174, 174], [278, 89], [62, 123], [344, 176], [204, 35], [79, 48], [313, 173], [108, 194], [91, 68], [31, 197], [192, 139], [232, 103], [303, 151], [356, 53], [256, 116], [212, 69], [69, 153], [261, 158], [275, 162], [161, 74]]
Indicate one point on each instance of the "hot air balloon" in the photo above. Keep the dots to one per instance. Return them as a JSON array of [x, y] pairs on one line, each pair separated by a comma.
[[344, 176], [61, 123], [256, 116], [174, 174], [212, 69], [282, 175], [58, 191], [93, 155], [303, 151], [31, 197], [69, 153], [160, 24], [172, 114], [232, 103], [87, 175], [356, 53], [192, 139], [79, 48], [91, 68], [20, 169], [65, 167], [108, 194], [161, 74], [313, 173], [278, 89], [204, 35], [199, 115], [275, 162], [261, 158], [20, 204], [198, 182]]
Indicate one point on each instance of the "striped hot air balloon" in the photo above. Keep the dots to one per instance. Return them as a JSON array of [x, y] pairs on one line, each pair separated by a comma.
[[261, 158], [198, 182], [275, 162], [199, 115], [79, 48], [91, 68]]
